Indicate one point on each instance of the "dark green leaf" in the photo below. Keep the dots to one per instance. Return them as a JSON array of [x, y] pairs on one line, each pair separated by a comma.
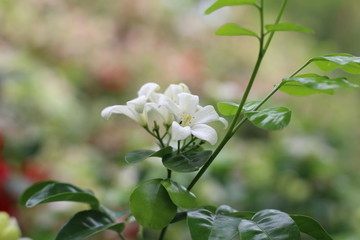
[[200, 223], [30, 191], [346, 62], [268, 225], [317, 82], [205, 224], [140, 155], [232, 29], [51, 191], [179, 195], [270, 118], [151, 205], [87, 223], [225, 3], [287, 26], [311, 227], [186, 162], [298, 89]]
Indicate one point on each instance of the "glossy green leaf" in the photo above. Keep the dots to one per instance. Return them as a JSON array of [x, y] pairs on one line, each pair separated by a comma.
[[151, 205], [268, 225], [287, 26], [310, 227], [225, 3], [51, 191], [87, 223], [186, 162], [298, 89], [317, 82], [205, 224], [232, 29], [200, 223], [270, 118], [140, 155], [346, 62], [179, 195]]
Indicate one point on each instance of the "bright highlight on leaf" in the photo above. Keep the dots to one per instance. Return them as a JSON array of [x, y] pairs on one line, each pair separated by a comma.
[[287, 26], [225, 3], [232, 29], [346, 62], [270, 118], [87, 223]]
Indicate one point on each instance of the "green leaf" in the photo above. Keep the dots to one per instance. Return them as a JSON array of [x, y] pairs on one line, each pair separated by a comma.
[[200, 223], [287, 26], [317, 82], [179, 195], [225, 3], [230, 108], [298, 89], [51, 191], [186, 162], [310, 227], [151, 205], [232, 29], [140, 155], [205, 224], [346, 62], [227, 108], [270, 118], [87, 223], [268, 225]]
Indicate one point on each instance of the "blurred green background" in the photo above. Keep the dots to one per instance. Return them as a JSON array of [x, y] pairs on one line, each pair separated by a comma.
[[62, 62]]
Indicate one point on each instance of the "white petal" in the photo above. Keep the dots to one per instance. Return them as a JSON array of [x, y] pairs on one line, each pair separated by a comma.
[[158, 113], [205, 115], [188, 102], [121, 109], [178, 132], [137, 104], [171, 106], [147, 89], [204, 132], [173, 91], [224, 121]]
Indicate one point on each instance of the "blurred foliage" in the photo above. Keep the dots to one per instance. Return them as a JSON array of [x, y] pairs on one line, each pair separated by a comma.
[[62, 62]]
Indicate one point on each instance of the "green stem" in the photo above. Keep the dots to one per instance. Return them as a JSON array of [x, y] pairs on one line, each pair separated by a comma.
[[241, 105], [162, 234], [283, 6]]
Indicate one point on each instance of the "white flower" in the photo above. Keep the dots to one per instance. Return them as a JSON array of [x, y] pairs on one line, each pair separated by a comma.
[[136, 109], [191, 118]]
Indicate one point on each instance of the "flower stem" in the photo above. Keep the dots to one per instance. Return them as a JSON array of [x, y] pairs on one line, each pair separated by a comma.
[[162, 234]]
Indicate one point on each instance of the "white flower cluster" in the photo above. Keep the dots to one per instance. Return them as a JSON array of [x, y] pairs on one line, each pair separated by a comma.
[[176, 109]]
